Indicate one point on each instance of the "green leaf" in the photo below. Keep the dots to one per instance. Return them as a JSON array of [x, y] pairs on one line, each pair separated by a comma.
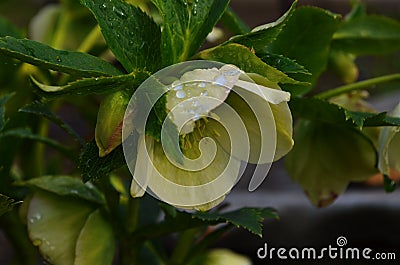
[[321, 110], [94, 167], [234, 24], [26, 133], [368, 35], [246, 60], [74, 63], [6, 204], [186, 25], [95, 85], [306, 39], [248, 218], [3, 100], [41, 109], [131, 34], [56, 224], [327, 157], [67, 186], [263, 35], [88, 251], [282, 63]]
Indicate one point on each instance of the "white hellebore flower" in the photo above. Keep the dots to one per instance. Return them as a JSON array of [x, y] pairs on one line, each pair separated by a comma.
[[223, 118]]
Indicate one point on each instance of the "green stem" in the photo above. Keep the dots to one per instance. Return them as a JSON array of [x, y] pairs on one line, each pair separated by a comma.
[[183, 247], [90, 40], [133, 214], [24, 252], [356, 86]]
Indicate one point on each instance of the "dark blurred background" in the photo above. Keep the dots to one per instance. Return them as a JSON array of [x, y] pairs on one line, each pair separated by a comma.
[[364, 214]]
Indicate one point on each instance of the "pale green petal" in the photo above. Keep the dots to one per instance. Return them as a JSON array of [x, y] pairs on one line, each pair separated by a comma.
[[88, 250], [389, 146], [54, 225], [208, 84], [283, 120], [202, 189], [224, 257], [142, 167]]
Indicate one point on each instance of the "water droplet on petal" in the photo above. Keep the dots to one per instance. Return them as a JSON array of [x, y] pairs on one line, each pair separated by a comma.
[[180, 94], [221, 80], [178, 87], [202, 84]]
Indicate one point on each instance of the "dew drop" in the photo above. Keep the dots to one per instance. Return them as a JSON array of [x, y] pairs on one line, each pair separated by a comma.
[[221, 80], [74, 192], [202, 84], [179, 87], [37, 242], [204, 93], [131, 42], [58, 59], [103, 6], [180, 94], [195, 9], [119, 12]]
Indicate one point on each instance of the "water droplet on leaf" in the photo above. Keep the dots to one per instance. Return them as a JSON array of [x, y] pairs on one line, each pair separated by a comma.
[[58, 59], [103, 6], [119, 12]]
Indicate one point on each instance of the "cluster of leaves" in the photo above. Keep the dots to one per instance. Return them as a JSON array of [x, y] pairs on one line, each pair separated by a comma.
[[333, 143]]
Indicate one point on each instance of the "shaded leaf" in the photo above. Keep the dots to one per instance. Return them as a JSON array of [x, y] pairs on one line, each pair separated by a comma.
[[248, 218], [95, 167], [26, 133], [7, 204], [74, 63], [263, 35], [368, 35], [41, 109], [67, 186], [321, 110], [389, 143], [186, 25], [327, 157], [306, 39], [97, 85], [130, 33], [246, 60], [54, 225]]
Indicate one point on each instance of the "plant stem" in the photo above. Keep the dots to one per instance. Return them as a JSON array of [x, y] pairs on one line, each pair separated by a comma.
[[183, 247], [90, 40], [133, 214], [356, 86], [24, 252]]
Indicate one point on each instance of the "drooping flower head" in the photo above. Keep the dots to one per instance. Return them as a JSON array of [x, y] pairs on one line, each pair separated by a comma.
[[216, 117]]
